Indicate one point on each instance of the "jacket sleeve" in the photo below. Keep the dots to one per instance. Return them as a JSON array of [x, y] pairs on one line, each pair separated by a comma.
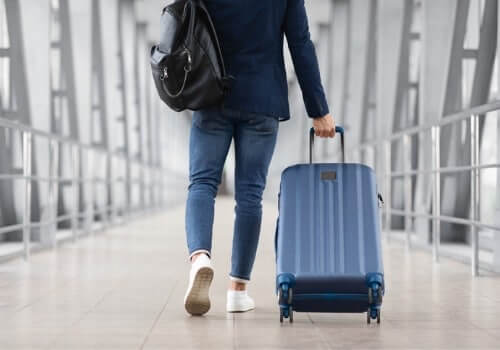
[[304, 58]]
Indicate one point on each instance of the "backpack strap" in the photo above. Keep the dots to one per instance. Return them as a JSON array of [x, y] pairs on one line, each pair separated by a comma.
[[216, 39], [192, 21]]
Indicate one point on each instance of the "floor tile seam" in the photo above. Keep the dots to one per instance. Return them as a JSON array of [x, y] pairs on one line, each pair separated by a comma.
[[48, 292], [234, 340], [318, 330], [81, 317], [34, 301], [494, 333], [471, 322], [84, 314], [157, 319]]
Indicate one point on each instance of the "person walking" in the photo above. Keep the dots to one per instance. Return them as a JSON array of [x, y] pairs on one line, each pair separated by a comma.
[[251, 34]]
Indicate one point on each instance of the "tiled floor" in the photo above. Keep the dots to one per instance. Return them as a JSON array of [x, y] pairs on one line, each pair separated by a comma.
[[124, 290]]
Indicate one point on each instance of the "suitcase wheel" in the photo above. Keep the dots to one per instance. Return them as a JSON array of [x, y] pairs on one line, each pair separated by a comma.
[[290, 296], [377, 299], [375, 296], [285, 297], [286, 313], [373, 314], [285, 294]]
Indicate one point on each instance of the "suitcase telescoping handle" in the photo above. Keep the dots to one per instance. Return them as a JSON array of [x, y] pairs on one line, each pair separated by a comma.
[[338, 130]]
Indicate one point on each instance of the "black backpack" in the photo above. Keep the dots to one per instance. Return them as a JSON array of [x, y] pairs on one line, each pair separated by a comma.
[[187, 64]]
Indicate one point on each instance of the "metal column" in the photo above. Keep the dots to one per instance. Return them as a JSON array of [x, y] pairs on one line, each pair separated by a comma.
[[436, 192], [388, 186], [408, 192], [475, 193], [27, 163]]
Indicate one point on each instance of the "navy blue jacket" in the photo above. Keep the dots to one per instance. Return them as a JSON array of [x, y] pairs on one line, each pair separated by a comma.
[[251, 34]]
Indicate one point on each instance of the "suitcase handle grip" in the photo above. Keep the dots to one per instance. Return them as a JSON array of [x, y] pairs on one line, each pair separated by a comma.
[[339, 129]]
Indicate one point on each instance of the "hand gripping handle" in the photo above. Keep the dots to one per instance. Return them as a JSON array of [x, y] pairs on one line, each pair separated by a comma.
[[339, 130]]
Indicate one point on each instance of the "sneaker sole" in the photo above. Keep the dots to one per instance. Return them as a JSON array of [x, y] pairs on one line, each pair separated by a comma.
[[197, 301], [234, 310]]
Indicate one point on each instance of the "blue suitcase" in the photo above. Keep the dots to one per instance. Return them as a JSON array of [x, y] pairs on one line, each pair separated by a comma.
[[328, 249]]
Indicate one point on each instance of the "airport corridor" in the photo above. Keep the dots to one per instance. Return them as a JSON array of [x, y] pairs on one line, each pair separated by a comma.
[[110, 110], [124, 289]]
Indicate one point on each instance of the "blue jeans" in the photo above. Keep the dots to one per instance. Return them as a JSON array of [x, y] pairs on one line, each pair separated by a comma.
[[254, 137]]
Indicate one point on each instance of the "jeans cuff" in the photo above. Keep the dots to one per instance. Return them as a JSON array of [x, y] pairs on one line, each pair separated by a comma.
[[199, 251], [238, 279]]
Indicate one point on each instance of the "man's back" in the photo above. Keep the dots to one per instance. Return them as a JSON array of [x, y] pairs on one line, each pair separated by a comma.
[[249, 28], [251, 35]]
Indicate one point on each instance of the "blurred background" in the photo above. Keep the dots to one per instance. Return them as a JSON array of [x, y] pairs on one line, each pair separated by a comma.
[[94, 176], [85, 141]]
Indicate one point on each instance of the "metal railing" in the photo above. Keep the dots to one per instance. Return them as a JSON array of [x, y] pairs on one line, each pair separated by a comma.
[[150, 181], [473, 116]]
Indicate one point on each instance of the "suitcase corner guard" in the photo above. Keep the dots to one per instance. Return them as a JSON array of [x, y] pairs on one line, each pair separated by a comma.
[[376, 290], [284, 288]]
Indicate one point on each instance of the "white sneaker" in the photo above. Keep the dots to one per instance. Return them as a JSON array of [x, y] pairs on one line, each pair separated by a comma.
[[197, 301], [239, 301]]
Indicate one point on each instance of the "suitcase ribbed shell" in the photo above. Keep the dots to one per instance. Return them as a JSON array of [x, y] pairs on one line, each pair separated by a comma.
[[329, 224]]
